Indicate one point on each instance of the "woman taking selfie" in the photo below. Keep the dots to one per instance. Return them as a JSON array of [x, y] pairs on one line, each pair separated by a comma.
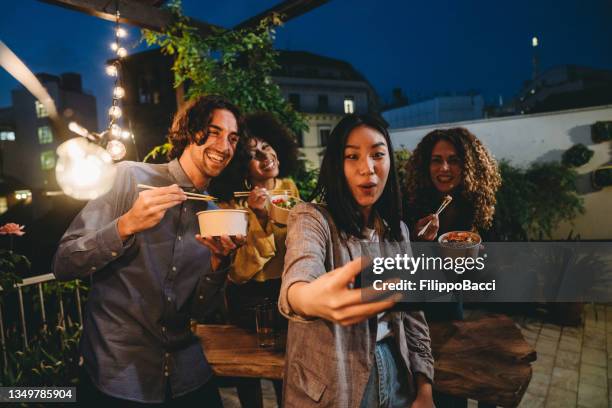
[[342, 351]]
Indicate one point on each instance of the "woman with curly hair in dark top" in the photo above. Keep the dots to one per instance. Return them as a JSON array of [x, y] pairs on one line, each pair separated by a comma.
[[450, 162]]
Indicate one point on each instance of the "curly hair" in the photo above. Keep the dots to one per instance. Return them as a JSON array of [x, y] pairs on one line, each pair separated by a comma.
[[480, 174], [264, 126], [194, 117]]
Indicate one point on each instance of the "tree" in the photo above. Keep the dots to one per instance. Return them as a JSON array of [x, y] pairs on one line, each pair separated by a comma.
[[237, 64]]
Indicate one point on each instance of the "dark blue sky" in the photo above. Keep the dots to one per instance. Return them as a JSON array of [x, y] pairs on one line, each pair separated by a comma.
[[426, 48]]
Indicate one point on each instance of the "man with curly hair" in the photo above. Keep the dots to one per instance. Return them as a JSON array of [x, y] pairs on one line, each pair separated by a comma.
[[149, 269], [450, 162]]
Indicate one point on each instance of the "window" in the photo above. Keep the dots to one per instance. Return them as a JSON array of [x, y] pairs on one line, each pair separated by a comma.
[[7, 135], [324, 131], [294, 100], [47, 160], [45, 135], [349, 104], [3, 205], [323, 104], [41, 112], [148, 91], [23, 194]]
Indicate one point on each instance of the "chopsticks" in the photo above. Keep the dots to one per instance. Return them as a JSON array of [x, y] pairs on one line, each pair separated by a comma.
[[447, 200], [190, 196], [271, 192]]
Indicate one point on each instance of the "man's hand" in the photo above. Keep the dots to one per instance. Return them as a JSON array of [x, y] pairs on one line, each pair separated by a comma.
[[149, 209], [329, 297], [432, 231], [220, 247]]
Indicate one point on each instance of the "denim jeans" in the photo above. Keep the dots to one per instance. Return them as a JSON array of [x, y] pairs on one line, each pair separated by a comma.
[[388, 383]]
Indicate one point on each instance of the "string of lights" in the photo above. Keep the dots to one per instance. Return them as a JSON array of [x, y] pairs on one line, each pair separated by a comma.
[[115, 147]]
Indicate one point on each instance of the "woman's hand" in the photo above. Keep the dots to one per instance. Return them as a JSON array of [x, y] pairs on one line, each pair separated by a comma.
[[424, 397], [257, 203], [329, 297], [432, 231]]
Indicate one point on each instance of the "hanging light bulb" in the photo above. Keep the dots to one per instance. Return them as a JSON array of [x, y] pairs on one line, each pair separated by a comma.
[[122, 52], [115, 130], [126, 134], [115, 112], [118, 92], [84, 170], [121, 32], [116, 149], [111, 70], [114, 46]]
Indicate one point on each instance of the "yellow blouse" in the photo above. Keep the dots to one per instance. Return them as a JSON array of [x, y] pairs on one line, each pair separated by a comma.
[[262, 257]]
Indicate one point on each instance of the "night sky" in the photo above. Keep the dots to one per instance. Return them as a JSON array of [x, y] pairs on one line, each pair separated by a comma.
[[426, 48]]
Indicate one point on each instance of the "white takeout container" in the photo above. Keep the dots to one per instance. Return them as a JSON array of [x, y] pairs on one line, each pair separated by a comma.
[[214, 223], [279, 214]]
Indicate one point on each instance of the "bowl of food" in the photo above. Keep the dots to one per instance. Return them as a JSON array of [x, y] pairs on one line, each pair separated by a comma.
[[214, 223], [460, 244], [280, 206]]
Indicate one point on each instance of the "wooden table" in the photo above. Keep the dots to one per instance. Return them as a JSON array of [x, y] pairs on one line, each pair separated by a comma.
[[486, 360]]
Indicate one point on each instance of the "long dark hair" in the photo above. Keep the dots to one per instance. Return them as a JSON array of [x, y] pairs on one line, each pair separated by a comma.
[[195, 116], [333, 190]]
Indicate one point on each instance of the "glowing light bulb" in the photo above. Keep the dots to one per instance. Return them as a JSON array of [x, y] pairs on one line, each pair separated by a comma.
[[126, 134], [78, 129], [116, 149], [115, 112], [535, 42], [111, 70], [114, 46], [122, 52], [84, 170], [121, 32], [115, 130], [118, 92]]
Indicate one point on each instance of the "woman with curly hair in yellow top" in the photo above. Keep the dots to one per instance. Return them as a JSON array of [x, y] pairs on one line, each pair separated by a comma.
[[450, 162]]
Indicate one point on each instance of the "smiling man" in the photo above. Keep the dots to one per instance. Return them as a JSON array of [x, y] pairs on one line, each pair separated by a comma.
[[149, 269]]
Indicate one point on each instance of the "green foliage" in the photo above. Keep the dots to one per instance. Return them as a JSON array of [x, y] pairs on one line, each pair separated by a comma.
[[235, 63], [577, 155], [50, 360], [305, 177], [601, 131], [11, 266], [532, 202], [158, 154], [401, 160]]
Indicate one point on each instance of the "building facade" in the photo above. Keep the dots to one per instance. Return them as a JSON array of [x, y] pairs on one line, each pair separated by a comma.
[[28, 148], [564, 87], [324, 90], [442, 109]]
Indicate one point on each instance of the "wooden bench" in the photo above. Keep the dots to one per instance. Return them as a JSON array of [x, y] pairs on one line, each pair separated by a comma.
[[487, 360]]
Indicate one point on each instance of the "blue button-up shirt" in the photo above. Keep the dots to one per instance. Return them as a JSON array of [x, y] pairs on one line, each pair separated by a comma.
[[144, 291]]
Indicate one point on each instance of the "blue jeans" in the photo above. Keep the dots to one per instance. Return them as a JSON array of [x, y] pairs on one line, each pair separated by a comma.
[[388, 383]]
